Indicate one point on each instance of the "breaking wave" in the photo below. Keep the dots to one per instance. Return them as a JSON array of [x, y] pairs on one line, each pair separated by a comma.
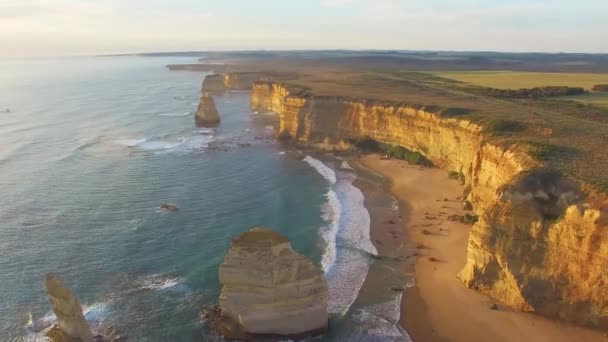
[[348, 247]]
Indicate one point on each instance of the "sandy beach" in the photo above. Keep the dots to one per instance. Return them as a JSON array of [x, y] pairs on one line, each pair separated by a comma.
[[439, 307]]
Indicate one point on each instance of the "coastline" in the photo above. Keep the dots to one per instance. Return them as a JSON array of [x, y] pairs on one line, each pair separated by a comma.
[[439, 307]]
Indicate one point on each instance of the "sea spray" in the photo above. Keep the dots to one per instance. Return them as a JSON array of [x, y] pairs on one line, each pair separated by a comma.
[[348, 247]]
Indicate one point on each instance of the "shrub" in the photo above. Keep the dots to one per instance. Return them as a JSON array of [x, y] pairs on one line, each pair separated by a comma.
[[402, 153], [503, 126], [545, 151], [470, 219]]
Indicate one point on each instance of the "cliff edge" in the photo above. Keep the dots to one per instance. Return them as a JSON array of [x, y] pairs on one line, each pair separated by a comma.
[[542, 236], [270, 290]]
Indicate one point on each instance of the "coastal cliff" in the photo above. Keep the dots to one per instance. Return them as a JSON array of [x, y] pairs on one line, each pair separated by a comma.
[[541, 239], [268, 289]]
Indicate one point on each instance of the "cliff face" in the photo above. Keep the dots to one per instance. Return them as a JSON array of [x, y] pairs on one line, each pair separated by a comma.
[[528, 219], [269, 289], [206, 114], [71, 323], [451, 144]]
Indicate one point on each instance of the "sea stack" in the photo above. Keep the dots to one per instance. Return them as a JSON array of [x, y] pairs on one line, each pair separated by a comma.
[[270, 290], [71, 327], [206, 114]]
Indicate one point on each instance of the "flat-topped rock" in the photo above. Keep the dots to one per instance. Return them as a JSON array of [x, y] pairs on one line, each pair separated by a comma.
[[269, 289], [71, 324]]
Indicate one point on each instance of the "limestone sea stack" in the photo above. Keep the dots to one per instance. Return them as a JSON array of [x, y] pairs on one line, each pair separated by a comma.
[[71, 325], [206, 114], [270, 290]]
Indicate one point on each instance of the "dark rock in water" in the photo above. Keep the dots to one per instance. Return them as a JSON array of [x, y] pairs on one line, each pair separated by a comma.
[[72, 325], [169, 207], [397, 289]]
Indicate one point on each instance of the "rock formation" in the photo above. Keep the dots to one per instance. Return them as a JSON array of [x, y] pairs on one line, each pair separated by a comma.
[[213, 84], [72, 326], [206, 114], [268, 289], [541, 240]]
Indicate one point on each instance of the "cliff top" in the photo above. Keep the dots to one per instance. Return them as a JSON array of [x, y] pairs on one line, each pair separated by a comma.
[[561, 132], [259, 237]]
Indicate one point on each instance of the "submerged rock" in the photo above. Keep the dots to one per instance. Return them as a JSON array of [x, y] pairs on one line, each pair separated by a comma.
[[206, 114], [268, 289], [169, 207], [72, 326]]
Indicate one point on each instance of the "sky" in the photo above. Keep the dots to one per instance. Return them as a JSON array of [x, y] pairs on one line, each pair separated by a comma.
[[84, 27]]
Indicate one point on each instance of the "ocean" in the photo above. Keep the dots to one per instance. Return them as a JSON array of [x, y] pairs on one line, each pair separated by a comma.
[[91, 147]]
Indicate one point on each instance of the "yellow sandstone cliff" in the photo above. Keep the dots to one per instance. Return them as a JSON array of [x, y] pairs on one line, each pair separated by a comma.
[[541, 243]]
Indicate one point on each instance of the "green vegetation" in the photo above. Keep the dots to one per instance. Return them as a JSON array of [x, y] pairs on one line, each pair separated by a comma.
[[469, 219], [413, 158], [369, 145], [458, 176], [544, 151], [497, 126], [595, 99], [517, 80]]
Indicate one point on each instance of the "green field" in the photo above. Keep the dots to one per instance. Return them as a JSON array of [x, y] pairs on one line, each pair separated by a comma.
[[517, 80], [595, 99]]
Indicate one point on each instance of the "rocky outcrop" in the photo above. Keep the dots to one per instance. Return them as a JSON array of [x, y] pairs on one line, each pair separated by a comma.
[[206, 114], [269, 289], [540, 241], [542, 247], [71, 324], [213, 84]]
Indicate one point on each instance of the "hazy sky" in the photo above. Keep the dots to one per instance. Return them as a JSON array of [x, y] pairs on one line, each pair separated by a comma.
[[68, 27]]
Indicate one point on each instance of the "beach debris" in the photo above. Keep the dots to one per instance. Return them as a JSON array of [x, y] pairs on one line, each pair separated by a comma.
[[169, 207], [426, 232], [433, 259], [397, 289], [420, 246], [445, 200], [389, 222], [493, 306], [466, 205]]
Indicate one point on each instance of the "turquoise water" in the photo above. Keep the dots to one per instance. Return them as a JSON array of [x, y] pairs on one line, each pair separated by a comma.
[[90, 149]]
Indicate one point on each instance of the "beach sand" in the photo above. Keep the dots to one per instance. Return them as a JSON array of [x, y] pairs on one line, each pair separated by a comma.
[[439, 307]]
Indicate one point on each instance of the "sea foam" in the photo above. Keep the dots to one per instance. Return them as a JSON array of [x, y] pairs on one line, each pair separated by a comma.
[[348, 247]]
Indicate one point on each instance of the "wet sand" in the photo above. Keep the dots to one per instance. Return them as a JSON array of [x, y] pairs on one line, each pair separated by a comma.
[[439, 307]]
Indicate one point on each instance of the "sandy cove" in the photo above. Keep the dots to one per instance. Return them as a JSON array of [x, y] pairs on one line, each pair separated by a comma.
[[439, 307]]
